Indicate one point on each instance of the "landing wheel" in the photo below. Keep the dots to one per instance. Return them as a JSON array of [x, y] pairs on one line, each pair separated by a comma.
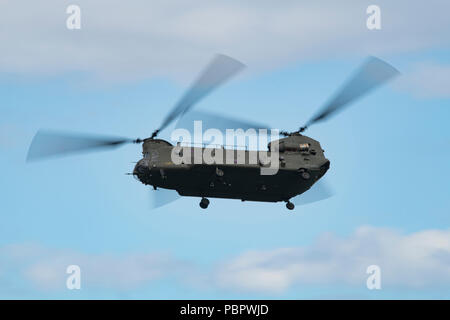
[[204, 203], [290, 205]]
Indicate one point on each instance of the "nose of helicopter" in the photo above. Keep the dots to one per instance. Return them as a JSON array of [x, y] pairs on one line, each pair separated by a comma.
[[142, 170], [324, 168]]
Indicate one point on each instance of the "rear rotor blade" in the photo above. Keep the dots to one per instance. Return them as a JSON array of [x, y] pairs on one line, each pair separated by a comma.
[[373, 73], [47, 144], [319, 191], [217, 72]]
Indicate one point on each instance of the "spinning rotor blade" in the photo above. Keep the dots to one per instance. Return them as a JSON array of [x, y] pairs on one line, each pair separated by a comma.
[[373, 73], [319, 191], [216, 121], [161, 197], [46, 144], [217, 72]]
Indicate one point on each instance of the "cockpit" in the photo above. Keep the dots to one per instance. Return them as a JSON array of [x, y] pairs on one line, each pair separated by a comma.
[[151, 144]]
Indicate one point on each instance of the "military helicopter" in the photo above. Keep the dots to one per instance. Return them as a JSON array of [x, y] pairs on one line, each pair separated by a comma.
[[301, 159]]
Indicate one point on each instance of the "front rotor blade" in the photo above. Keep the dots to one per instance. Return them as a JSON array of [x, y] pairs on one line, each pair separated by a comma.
[[162, 197], [47, 144], [373, 73], [217, 72]]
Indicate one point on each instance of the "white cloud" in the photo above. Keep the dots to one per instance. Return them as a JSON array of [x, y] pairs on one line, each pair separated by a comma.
[[417, 260], [46, 268], [121, 40]]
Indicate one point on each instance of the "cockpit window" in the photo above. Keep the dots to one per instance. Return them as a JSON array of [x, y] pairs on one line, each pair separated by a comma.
[[291, 147], [304, 147], [301, 147]]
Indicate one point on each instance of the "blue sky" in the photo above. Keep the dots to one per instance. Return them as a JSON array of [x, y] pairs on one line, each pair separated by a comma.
[[389, 154]]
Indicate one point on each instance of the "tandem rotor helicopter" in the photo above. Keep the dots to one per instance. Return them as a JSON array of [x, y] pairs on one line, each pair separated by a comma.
[[301, 158]]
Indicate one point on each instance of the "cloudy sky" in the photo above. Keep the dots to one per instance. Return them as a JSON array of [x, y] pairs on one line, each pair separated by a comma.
[[123, 70]]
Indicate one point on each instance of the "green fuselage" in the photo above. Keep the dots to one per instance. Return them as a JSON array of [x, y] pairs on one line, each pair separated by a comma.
[[301, 163]]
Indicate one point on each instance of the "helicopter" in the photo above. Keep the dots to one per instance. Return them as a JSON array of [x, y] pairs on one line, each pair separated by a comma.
[[301, 161]]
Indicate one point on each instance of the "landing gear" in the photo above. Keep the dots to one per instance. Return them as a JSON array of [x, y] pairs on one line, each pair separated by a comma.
[[204, 203], [290, 205]]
